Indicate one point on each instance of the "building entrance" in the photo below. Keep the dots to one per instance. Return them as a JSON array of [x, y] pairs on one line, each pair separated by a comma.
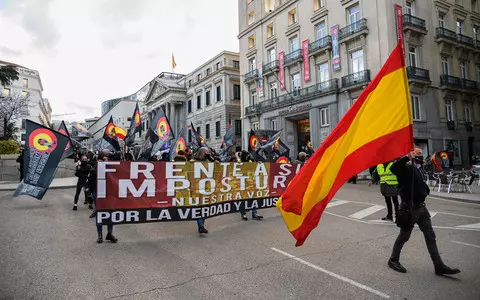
[[303, 131]]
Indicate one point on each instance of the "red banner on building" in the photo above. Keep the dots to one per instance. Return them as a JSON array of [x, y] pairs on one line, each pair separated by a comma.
[[398, 13], [282, 72], [306, 65]]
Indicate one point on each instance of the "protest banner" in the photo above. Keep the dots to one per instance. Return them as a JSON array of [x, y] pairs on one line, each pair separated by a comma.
[[140, 192]]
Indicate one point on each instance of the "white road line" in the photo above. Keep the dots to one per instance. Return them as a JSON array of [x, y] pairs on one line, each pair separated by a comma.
[[465, 244], [472, 226], [343, 217], [433, 214], [345, 279], [366, 212], [336, 203]]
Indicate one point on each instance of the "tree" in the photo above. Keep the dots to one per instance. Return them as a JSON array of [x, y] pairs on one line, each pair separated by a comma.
[[11, 131], [13, 107], [7, 75]]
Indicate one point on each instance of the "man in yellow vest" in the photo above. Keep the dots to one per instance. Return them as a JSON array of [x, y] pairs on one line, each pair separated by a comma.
[[388, 188]]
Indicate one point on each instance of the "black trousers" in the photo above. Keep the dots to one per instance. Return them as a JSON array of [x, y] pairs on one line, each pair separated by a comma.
[[388, 201], [80, 184], [421, 216]]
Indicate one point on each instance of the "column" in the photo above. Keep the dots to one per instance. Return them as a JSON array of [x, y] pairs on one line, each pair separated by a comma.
[[225, 94], [315, 138], [313, 71]]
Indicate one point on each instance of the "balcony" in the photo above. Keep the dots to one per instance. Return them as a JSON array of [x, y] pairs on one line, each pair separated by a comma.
[[251, 76], [414, 23], [469, 126], [293, 57], [451, 125], [320, 45], [353, 30], [468, 85], [466, 41], [445, 35], [418, 75], [359, 78], [270, 67], [452, 82], [294, 97]]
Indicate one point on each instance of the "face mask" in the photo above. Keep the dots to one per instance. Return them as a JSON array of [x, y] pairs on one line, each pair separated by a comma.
[[419, 159]]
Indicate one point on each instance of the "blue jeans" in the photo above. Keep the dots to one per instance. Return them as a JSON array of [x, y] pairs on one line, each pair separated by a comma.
[[200, 222]]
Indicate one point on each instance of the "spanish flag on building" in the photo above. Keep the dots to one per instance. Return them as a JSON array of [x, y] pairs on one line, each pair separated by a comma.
[[174, 64], [377, 128]]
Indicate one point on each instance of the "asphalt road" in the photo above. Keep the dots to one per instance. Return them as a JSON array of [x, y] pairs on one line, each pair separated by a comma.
[[48, 251]]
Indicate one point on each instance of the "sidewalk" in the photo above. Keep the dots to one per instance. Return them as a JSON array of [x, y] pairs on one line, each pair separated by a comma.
[[462, 197], [57, 183]]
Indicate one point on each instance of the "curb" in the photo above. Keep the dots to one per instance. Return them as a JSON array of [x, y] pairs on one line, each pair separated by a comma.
[[454, 199], [2, 189]]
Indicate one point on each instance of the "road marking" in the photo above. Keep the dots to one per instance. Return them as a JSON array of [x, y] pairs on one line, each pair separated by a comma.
[[345, 279], [465, 244], [453, 201], [366, 212], [472, 226], [340, 216], [433, 214], [336, 203], [457, 215]]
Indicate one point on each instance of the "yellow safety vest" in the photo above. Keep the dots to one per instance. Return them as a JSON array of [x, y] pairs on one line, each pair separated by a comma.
[[386, 176]]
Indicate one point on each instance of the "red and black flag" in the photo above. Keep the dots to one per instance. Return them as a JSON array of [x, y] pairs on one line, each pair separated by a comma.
[[178, 145], [69, 148], [110, 134], [44, 148], [135, 126], [161, 133]]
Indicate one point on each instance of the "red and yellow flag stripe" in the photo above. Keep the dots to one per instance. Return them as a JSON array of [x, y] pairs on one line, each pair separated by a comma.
[[376, 129]]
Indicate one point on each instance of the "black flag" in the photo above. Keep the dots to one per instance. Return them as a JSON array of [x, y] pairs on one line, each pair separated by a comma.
[[161, 132], [110, 135], [79, 132], [44, 148], [69, 149], [135, 126]]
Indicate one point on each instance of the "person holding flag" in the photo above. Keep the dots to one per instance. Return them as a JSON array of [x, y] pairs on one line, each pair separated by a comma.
[[135, 126]]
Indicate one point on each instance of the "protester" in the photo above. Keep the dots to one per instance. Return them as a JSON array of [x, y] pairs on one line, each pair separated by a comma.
[[246, 157], [388, 188], [20, 161], [413, 191], [82, 171], [203, 154], [301, 158], [128, 156]]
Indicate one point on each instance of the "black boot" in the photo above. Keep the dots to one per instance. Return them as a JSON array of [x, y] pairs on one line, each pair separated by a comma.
[[202, 230], [389, 218], [445, 270], [100, 239], [111, 238], [257, 217], [396, 266], [244, 217]]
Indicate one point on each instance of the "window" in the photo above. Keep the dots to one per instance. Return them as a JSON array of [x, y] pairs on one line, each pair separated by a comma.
[[253, 97], [199, 131], [294, 44], [207, 98], [273, 90], [468, 112], [199, 101], [190, 136], [209, 71], [199, 76], [217, 129], [410, 8], [189, 106], [476, 34], [251, 64], [412, 56], [445, 65], [219, 93], [324, 117], [441, 20], [317, 4], [217, 66], [323, 74], [190, 83], [453, 146], [207, 131], [236, 64], [478, 73], [271, 55], [463, 70], [269, 5], [255, 126], [296, 83], [449, 110], [459, 26], [474, 5], [416, 107], [292, 16], [251, 41], [23, 136], [24, 94], [273, 124], [23, 124], [270, 31], [356, 59], [6, 92], [236, 92], [353, 14], [25, 82], [251, 18], [238, 127], [321, 30]]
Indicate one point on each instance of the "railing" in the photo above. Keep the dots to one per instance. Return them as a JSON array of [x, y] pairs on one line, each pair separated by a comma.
[[450, 81], [252, 74], [469, 126], [294, 55], [409, 20], [356, 78], [468, 84], [418, 73], [466, 40], [445, 33], [451, 125], [270, 66], [295, 96], [352, 28], [320, 43]]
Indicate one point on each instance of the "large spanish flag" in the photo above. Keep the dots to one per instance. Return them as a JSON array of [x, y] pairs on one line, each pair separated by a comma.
[[377, 128]]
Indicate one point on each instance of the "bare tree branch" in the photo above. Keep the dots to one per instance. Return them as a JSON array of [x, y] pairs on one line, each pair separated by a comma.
[[14, 106]]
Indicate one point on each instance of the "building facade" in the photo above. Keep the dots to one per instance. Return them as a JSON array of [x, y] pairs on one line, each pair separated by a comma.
[[304, 62], [29, 84]]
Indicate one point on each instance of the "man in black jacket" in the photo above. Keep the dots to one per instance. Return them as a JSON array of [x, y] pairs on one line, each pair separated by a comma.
[[413, 191], [82, 171]]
